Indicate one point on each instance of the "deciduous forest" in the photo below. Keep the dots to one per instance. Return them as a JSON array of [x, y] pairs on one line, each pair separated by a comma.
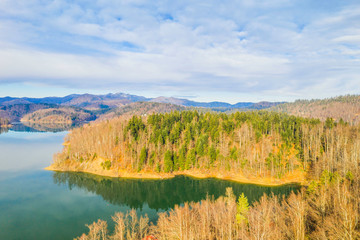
[[262, 144], [342, 108]]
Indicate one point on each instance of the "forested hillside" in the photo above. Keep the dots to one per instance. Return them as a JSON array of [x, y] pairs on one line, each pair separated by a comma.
[[252, 144], [59, 115], [343, 108], [115, 104], [141, 108], [16, 111], [114, 100], [257, 144]]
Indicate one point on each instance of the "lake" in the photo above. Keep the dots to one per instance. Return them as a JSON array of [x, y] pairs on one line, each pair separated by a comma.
[[39, 204]]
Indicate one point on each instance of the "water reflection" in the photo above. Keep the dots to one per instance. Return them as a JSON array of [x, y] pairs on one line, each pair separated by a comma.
[[161, 194], [40, 127], [3, 130]]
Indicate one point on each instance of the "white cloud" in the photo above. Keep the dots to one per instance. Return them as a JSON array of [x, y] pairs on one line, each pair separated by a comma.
[[288, 47]]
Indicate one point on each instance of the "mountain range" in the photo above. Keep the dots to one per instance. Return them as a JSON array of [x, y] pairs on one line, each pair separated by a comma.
[[14, 108], [76, 106], [111, 100]]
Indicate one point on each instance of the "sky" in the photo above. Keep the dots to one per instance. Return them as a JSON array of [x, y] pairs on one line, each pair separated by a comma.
[[232, 51]]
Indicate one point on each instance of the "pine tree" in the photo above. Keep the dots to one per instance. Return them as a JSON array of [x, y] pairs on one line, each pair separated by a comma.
[[242, 209], [143, 158], [168, 162]]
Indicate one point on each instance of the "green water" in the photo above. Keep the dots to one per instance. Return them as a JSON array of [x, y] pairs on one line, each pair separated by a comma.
[[38, 204]]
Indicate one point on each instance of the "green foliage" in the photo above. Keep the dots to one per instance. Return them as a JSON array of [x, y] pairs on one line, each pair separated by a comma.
[[106, 165], [135, 126], [212, 154], [201, 145], [190, 159], [228, 126], [242, 209], [182, 158], [329, 123], [152, 159], [233, 153], [313, 187], [342, 122], [349, 176], [176, 162], [189, 139], [158, 167], [143, 158], [168, 161], [328, 177], [258, 135]]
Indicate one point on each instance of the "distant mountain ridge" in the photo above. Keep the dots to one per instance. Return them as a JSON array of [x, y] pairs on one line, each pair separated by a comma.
[[345, 108], [74, 99], [15, 109], [111, 100]]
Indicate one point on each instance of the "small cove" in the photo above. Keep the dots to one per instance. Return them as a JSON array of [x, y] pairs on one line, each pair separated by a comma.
[[39, 204]]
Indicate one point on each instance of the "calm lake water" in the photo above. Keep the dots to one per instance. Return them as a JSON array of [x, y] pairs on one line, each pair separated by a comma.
[[39, 204]]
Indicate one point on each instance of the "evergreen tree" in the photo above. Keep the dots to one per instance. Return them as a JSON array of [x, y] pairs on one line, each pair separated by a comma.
[[190, 159], [168, 161], [143, 158], [242, 209]]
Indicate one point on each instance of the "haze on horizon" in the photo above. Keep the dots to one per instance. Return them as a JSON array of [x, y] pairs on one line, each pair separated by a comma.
[[232, 51]]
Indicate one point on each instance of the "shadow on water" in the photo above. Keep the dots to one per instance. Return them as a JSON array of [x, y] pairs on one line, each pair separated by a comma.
[[162, 194]]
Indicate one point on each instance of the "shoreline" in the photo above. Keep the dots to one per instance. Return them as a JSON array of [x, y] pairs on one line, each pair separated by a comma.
[[122, 173]]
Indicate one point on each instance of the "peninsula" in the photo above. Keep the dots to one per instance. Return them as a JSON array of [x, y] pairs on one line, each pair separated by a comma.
[[258, 147]]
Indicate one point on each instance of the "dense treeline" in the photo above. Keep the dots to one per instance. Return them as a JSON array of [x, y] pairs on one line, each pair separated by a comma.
[[258, 144], [326, 210]]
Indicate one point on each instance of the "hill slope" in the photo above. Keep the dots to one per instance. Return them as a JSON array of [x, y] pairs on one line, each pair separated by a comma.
[[223, 105], [59, 115], [91, 101], [15, 112], [342, 107], [141, 108]]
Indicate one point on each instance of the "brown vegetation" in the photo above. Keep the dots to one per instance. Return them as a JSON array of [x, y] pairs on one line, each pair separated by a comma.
[[141, 108], [327, 210], [343, 108], [17, 111], [259, 144], [58, 115], [244, 145]]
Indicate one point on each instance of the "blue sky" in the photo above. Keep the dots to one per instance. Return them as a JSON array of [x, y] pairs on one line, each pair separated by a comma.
[[209, 50]]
